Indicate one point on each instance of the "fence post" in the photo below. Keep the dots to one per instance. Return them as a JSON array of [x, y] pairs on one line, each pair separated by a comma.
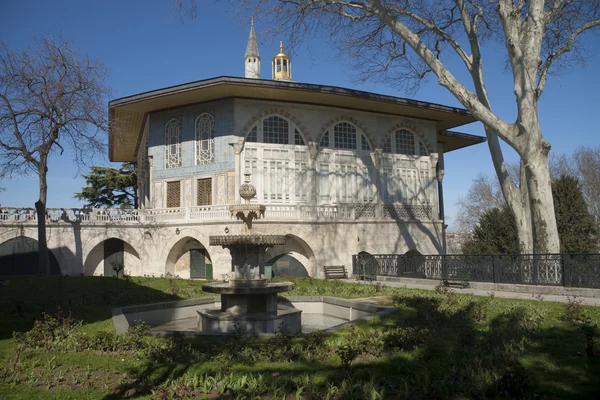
[[567, 270], [495, 270], [399, 265], [535, 269], [444, 269]]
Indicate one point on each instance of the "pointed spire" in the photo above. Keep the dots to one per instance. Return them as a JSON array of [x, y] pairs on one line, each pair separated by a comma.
[[252, 47]]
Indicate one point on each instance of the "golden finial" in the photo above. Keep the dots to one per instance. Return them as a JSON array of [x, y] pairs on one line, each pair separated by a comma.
[[252, 20], [281, 46]]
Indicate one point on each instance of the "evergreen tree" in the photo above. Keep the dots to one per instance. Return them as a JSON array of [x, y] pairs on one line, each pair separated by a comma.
[[577, 229], [110, 187], [495, 233]]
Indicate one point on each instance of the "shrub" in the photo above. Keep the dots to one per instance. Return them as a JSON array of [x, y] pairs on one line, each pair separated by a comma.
[[347, 353], [589, 330], [573, 310], [48, 332], [404, 338]]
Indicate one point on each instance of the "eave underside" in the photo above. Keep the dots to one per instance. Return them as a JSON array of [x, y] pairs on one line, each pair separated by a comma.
[[128, 114]]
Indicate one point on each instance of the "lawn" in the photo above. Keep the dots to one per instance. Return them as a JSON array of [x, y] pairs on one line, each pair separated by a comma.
[[439, 344]]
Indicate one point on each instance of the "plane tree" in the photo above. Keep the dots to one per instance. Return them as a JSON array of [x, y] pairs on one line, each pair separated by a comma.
[[404, 41]]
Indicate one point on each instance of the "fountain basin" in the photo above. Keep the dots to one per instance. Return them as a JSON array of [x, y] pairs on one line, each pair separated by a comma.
[[250, 305], [318, 313], [285, 318]]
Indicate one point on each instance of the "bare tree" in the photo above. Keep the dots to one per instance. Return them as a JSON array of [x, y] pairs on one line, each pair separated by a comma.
[[587, 161], [402, 41], [483, 195], [51, 98]]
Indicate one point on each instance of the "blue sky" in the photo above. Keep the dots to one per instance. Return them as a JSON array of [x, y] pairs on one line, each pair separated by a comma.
[[145, 48]]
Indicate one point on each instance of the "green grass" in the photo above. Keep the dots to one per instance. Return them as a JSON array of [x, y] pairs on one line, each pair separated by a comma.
[[443, 345]]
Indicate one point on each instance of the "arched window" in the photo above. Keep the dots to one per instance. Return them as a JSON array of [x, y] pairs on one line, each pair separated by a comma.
[[252, 136], [276, 130], [405, 142], [205, 139], [173, 144], [344, 136]]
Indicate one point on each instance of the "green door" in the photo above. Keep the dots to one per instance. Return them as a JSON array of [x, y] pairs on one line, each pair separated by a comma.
[[113, 257], [200, 266]]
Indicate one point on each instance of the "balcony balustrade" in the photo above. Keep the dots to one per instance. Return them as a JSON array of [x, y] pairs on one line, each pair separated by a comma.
[[342, 212]]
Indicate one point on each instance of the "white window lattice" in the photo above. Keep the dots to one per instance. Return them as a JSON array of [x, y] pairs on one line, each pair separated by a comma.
[[344, 136], [174, 194], [173, 144], [405, 142], [365, 143], [252, 136], [325, 140], [275, 130], [204, 192], [205, 139], [298, 139], [387, 146]]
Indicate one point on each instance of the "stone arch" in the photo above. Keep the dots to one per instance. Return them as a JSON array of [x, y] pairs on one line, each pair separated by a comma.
[[176, 248], [96, 238], [274, 111], [289, 264], [367, 264], [297, 248], [346, 118], [94, 258], [19, 255], [411, 127]]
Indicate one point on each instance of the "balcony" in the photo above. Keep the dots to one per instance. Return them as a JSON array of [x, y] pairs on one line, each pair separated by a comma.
[[217, 213]]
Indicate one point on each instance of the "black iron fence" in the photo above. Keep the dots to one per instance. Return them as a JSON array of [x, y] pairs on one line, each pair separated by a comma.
[[570, 270]]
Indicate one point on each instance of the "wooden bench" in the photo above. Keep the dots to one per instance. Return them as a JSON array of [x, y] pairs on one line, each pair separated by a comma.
[[459, 277], [335, 272]]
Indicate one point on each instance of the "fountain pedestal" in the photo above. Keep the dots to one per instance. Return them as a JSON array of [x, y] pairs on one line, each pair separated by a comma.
[[252, 306], [248, 301]]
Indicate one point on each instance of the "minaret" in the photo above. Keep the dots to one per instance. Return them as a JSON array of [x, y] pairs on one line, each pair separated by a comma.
[[252, 55], [281, 66]]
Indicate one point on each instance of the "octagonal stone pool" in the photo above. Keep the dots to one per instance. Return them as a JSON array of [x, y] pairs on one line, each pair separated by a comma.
[[318, 313]]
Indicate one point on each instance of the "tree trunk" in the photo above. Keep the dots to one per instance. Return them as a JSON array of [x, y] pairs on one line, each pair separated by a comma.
[[40, 207], [543, 218], [523, 215]]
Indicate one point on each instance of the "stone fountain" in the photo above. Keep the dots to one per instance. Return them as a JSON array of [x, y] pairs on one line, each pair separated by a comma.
[[249, 299]]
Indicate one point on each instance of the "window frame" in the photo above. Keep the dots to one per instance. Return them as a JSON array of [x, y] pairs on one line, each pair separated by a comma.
[[390, 145], [173, 139], [328, 139], [257, 131], [200, 141]]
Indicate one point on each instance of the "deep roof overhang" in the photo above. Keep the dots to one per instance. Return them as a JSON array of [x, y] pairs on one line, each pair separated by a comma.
[[451, 140], [128, 114]]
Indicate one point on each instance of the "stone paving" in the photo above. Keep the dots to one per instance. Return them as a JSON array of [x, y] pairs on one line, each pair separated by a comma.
[[592, 301]]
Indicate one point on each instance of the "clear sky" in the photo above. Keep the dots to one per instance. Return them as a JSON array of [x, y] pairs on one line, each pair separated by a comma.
[[146, 48]]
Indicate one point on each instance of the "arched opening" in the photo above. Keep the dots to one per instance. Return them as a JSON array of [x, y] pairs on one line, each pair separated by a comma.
[[367, 265], [285, 265], [19, 256], [112, 257], [189, 259], [413, 264], [295, 258]]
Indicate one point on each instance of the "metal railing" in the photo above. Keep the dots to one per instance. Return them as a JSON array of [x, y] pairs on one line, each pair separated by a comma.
[[569, 270]]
